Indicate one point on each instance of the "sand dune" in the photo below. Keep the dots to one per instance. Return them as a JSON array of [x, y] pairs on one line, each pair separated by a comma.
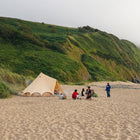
[[48, 118]]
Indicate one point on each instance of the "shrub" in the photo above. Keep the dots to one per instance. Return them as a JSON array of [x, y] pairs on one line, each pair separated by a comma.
[[59, 48], [9, 33], [88, 28], [25, 29], [3, 91], [96, 30], [11, 78], [68, 31], [95, 94], [32, 39], [6, 91], [85, 29], [47, 43], [53, 31]]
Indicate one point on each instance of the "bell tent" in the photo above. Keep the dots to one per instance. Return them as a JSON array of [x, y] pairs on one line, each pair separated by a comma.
[[43, 85]]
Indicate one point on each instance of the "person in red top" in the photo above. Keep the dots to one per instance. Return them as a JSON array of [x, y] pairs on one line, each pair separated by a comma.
[[74, 95]]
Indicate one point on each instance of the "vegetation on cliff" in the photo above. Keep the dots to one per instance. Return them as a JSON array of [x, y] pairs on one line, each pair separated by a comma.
[[67, 54]]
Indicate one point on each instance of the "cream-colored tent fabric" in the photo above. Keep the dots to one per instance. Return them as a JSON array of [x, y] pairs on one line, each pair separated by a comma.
[[41, 85]]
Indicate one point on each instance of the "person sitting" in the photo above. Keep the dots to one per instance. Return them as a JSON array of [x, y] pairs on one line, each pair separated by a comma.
[[86, 92], [55, 92], [61, 96], [75, 94], [92, 93], [89, 95], [82, 92]]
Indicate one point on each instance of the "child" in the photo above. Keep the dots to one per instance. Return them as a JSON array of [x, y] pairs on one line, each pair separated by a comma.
[[75, 94]]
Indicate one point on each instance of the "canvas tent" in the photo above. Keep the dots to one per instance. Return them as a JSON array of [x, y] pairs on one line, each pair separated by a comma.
[[43, 85]]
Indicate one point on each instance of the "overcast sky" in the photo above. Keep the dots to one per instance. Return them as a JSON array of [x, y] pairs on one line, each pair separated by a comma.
[[119, 17]]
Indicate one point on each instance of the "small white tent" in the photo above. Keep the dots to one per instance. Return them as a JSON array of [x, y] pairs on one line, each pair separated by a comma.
[[43, 85]]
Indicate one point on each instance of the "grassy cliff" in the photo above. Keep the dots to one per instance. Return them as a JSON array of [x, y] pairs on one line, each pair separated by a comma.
[[68, 54]]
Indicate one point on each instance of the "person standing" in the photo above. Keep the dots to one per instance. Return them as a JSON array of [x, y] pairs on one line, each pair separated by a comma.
[[108, 87]]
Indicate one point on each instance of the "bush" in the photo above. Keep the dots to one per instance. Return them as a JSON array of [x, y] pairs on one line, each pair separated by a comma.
[[5, 91], [11, 78], [9, 33], [25, 29], [96, 30], [95, 94], [53, 31], [85, 29], [59, 48], [47, 43]]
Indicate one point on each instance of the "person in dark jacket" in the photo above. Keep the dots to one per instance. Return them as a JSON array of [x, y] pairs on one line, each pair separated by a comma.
[[108, 87], [89, 93], [82, 92]]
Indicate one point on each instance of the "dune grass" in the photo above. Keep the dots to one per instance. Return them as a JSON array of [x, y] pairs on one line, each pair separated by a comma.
[[10, 83]]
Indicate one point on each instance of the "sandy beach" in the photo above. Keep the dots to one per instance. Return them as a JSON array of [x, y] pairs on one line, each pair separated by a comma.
[[48, 118]]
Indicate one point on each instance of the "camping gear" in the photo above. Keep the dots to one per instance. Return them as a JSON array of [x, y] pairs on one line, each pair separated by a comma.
[[43, 85]]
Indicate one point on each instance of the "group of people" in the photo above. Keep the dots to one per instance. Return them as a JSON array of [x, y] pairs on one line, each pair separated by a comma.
[[89, 93]]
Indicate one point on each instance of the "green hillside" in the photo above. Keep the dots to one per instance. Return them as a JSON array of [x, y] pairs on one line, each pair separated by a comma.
[[67, 54]]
